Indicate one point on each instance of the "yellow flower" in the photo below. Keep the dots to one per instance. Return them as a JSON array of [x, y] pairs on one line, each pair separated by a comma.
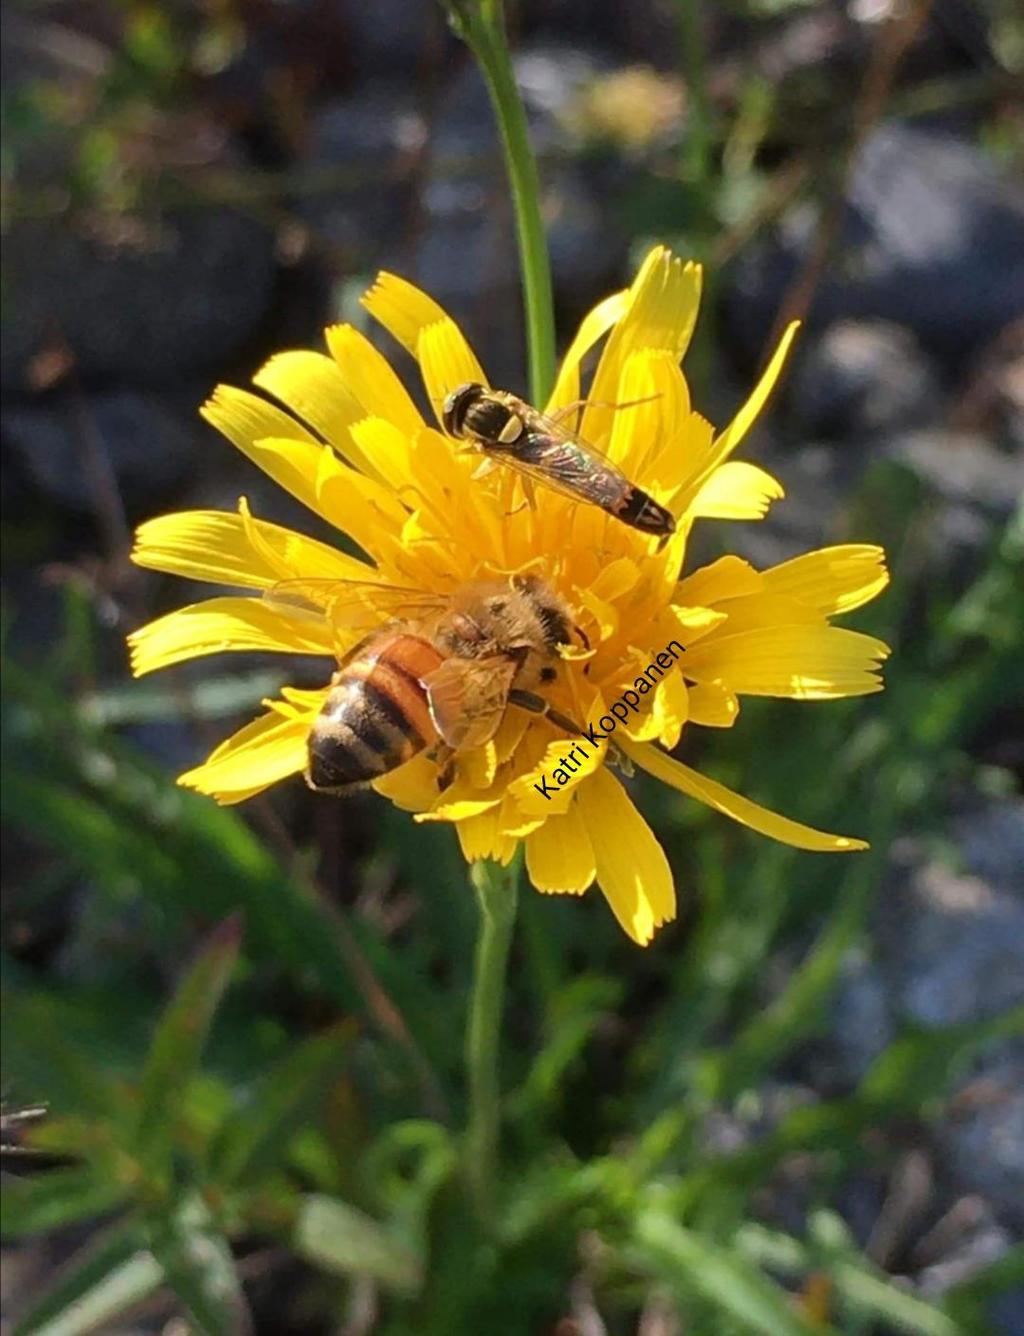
[[405, 494]]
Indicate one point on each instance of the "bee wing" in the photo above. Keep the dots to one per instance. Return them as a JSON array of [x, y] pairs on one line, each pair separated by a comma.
[[353, 604], [467, 698]]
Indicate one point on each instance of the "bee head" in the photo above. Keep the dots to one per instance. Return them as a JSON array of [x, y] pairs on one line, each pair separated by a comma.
[[549, 610], [457, 405]]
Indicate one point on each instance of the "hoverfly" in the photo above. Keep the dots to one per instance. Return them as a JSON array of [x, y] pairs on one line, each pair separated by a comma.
[[508, 429]]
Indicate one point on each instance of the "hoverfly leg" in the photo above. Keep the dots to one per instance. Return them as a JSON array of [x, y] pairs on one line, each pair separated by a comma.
[[526, 700], [485, 467], [577, 405]]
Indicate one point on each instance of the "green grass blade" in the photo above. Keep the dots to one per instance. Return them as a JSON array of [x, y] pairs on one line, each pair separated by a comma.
[[726, 1279], [337, 1237], [98, 1283], [254, 1141], [51, 1198], [180, 1036], [198, 1266]]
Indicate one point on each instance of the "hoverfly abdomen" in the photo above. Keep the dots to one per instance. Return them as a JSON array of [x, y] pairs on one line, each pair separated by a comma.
[[644, 513], [375, 717]]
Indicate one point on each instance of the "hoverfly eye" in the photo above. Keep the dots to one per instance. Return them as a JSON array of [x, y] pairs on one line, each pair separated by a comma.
[[453, 411]]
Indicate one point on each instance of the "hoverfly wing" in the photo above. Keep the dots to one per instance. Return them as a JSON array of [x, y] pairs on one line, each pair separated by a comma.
[[467, 698], [562, 461]]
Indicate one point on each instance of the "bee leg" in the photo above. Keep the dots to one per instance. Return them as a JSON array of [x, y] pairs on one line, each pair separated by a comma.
[[526, 700], [444, 758]]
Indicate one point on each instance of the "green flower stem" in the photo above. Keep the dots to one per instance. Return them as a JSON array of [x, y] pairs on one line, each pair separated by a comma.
[[481, 26], [497, 892]]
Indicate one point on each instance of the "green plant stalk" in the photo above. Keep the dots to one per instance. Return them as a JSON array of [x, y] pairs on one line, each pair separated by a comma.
[[482, 27], [497, 893]]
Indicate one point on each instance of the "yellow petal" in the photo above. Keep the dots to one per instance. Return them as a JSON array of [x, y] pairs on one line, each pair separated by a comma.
[[265, 751], [371, 380], [222, 624], [730, 438], [446, 362], [312, 386], [217, 546], [559, 855], [683, 463], [408, 314], [728, 577], [273, 440], [538, 792], [365, 509], [480, 837], [632, 869], [594, 325], [681, 777], [833, 579], [303, 466], [671, 708], [736, 491], [806, 662], [655, 409], [712, 705], [662, 311], [413, 786]]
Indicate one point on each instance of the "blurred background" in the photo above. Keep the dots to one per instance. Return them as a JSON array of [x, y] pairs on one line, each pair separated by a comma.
[[802, 1109]]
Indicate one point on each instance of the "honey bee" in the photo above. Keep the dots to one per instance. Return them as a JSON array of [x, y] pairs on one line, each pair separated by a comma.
[[439, 680], [506, 428]]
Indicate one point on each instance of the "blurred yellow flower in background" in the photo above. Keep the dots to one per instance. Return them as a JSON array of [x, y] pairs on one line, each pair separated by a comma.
[[355, 449]]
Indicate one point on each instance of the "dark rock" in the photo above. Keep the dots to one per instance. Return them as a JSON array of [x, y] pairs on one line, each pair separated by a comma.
[[393, 36], [862, 1024], [931, 239], [962, 469], [982, 1135], [467, 256], [991, 843], [862, 377], [156, 302], [950, 946], [74, 449], [975, 1240], [359, 162], [991, 401]]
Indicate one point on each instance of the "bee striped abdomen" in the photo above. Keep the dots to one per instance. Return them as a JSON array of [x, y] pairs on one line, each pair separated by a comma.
[[376, 716]]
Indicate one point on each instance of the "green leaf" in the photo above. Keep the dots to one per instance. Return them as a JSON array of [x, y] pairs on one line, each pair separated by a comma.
[[574, 1014], [340, 1238], [180, 1035], [255, 1140], [198, 1265], [48, 1199], [99, 1282], [41, 1063], [725, 1278], [863, 1289], [921, 1065]]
